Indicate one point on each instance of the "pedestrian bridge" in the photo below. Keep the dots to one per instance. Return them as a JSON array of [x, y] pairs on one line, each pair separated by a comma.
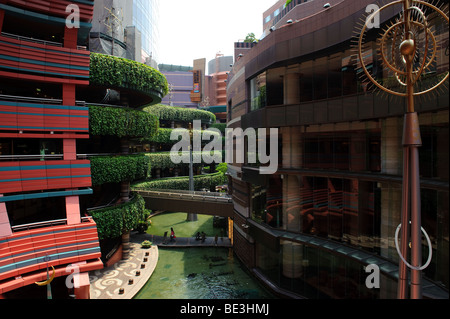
[[203, 203]]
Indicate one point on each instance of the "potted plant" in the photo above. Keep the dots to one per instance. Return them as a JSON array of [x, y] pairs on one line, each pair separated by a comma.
[[146, 244]]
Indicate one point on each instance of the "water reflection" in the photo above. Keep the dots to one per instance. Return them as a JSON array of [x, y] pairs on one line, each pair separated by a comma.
[[201, 273]]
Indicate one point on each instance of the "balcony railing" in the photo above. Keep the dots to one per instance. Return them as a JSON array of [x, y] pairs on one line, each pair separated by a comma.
[[49, 223], [44, 175], [38, 41], [32, 59]]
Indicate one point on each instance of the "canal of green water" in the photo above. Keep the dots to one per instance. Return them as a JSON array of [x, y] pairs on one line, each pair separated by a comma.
[[200, 272]]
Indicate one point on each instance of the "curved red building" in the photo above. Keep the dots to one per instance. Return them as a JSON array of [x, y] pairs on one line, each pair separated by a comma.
[[43, 60]]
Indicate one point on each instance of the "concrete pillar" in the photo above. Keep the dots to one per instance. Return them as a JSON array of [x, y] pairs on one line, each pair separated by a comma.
[[81, 285], [291, 196], [73, 210], [286, 152], [70, 149], [291, 85], [70, 38], [69, 94], [391, 146], [292, 154], [5, 226]]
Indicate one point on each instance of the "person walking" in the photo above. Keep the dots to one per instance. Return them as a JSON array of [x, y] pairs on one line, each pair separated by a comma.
[[172, 234]]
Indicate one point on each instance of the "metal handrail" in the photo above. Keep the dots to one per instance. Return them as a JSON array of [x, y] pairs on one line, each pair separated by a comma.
[[37, 100], [38, 41], [55, 156], [213, 196], [50, 223], [30, 157]]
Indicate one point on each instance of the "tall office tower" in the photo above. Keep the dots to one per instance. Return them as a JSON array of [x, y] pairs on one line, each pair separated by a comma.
[[43, 61], [126, 28]]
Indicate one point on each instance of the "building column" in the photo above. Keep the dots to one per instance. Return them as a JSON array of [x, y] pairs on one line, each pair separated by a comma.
[[73, 214], [82, 286], [5, 226], [291, 198], [73, 210], [69, 94], [291, 81], [391, 146], [292, 153], [70, 38]]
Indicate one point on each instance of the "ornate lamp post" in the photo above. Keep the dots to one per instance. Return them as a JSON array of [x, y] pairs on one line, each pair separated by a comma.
[[406, 49]]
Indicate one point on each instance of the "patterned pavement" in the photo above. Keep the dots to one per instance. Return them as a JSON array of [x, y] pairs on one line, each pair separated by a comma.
[[108, 283]]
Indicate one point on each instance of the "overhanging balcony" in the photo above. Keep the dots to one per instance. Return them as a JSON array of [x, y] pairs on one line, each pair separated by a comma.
[[25, 255], [26, 59], [29, 176]]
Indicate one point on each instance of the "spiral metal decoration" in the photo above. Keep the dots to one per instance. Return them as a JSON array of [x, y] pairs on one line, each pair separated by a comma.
[[407, 49]]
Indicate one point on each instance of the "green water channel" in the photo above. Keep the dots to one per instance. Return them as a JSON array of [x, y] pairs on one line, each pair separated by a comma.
[[200, 272]]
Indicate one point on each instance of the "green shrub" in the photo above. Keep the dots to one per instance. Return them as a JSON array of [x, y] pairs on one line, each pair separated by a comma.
[[163, 160], [146, 244], [112, 222], [163, 136], [111, 71], [222, 167], [115, 169], [173, 113], [121, 122], [209, 181]]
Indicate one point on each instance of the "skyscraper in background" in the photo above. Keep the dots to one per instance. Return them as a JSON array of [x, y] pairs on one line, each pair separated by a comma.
[[126, 28], [146, 19]]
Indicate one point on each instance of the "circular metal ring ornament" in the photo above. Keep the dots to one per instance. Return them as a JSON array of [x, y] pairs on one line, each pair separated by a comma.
[[408, 40]]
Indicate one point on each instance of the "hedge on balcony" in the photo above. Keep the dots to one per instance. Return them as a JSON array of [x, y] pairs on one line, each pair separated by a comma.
[[122, 122], [173, 113], [209, 181], [111, 71], [116, 169], [112, 222], [163, 136], [162, 159]]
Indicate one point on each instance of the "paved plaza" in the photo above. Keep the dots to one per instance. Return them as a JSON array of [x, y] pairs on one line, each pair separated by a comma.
[[126, 278]]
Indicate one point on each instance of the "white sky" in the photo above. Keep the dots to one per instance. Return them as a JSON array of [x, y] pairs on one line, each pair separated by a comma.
[[197, 29]]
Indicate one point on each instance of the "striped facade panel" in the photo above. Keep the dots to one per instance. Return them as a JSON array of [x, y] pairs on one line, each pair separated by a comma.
[[27, 59], [15, 116], [43, 175], [28, 251], [56, 8]]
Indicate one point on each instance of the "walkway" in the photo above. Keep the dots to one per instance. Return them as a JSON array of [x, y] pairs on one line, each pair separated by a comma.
[[206, 203], [107, 283]]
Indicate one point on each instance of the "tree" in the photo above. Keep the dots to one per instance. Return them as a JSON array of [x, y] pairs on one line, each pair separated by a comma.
[[250, 38]]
